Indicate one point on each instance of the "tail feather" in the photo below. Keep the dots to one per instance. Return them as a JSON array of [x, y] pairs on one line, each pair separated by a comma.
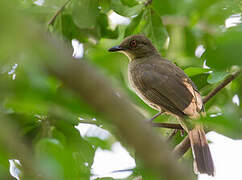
[[203, 162]]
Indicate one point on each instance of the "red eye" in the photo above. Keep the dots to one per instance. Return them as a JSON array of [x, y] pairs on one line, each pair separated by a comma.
[[133, 43]]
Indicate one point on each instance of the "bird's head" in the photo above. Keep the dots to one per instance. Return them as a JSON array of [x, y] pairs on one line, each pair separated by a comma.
[[136, 46]]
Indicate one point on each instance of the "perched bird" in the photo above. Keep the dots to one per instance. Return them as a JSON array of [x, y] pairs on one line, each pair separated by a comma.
[[165, 87]]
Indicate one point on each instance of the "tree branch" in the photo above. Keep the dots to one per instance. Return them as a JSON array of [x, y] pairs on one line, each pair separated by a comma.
[[52, 20], [167, 125], [225, 82], [183, 147]]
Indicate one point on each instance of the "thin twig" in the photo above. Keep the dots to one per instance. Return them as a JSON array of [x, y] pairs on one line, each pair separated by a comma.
[[155, 116], [167, 125], [52, 20], [89, 122], [182, 147], [221, 86]]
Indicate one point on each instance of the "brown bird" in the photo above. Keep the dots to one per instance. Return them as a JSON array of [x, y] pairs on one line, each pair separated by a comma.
[[166, 88]]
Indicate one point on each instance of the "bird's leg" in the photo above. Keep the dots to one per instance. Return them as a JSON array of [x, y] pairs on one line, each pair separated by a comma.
[[155, 116]]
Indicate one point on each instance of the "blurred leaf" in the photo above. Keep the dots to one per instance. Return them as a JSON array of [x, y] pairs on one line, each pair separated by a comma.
[[66, 27], [190, 41], [104, 144], [54, 3], [129, 2], [83, 9], [227, 51], [121, 9], [192, 71], [216, 76], [49, 146], [227, 124], [106, 32], [133, 25], [105, 5], [164, 6]]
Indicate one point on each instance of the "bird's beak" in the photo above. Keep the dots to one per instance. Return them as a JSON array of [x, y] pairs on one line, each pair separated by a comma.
[[116, 48]]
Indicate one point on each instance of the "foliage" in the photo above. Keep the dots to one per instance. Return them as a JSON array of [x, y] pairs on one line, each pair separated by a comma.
[[46, 112]]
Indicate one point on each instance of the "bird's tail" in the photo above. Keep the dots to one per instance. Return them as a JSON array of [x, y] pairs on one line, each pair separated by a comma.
[[203, 162]]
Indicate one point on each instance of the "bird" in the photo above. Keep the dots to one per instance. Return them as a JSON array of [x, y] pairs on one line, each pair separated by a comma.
[[165, 87]]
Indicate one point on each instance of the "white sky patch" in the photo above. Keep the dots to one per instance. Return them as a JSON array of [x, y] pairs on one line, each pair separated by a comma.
[[78, 51], [116, 19], [39, 2], [236, 99], [227, 157], [215, 115], [83, 128], [92, 130], [13, 169], [12, 71], [199, 51], [95, 131], [233, 20], [205, 65], [107, 161]]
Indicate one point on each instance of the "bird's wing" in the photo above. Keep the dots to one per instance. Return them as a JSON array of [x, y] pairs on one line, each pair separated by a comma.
[[167, 86]]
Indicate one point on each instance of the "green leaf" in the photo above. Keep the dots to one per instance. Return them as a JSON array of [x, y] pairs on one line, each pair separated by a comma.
[[129, 2], [104, 144], [164, 6], [134, 24], [105, 5], [48, 146], [154, 29], [85, 13], [54, 3], [227, 124], [226, 51], [105, 31], [216, 76], [192, 71], [121, 9], [200, 80]]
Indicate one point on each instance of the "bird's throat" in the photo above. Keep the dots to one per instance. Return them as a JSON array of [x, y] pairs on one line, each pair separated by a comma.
[[129, 55]]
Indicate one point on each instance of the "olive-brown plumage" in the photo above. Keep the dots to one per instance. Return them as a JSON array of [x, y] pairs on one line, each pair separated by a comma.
[[165, 87]]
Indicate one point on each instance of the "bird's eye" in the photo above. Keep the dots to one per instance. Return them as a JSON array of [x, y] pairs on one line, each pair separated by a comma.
[[133, 43]]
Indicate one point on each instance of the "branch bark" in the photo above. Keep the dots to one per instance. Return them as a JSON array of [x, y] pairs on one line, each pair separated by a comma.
[[167, 125]]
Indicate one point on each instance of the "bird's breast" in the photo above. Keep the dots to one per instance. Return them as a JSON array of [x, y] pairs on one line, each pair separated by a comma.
[[133, 81]]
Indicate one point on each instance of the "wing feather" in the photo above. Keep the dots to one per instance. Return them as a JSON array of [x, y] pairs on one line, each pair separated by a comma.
[[168, 87]]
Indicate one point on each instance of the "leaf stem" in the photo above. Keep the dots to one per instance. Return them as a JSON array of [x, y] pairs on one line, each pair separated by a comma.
[[52, 20], [225, 82]]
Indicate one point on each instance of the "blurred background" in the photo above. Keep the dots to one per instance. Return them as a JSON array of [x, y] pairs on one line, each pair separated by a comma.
[[44, 120]]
